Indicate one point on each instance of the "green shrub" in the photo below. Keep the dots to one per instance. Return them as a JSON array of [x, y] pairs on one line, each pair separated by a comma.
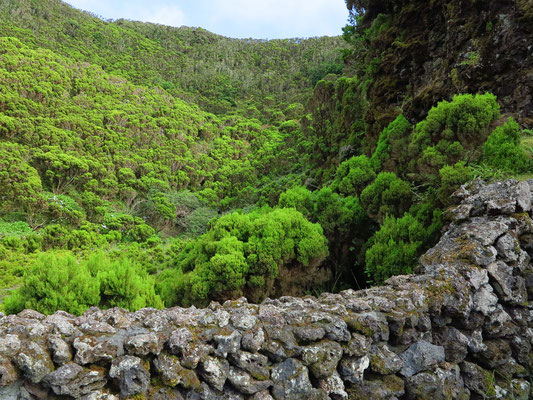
[[64, 209], [394, 248], [12, 242], [55, 283], [466, 118], [59, 282], [299, 198], [20, 184], [141, 232], [243, 254], [451, 178], [502, 149], [33, 243], [337, 215], [353, 176], [388, 194], [452, 131], [17, 228], [55, 237], [123, 283], [390, 150]]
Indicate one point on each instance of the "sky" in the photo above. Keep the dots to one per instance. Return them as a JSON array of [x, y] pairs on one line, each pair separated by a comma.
[[264, 19]]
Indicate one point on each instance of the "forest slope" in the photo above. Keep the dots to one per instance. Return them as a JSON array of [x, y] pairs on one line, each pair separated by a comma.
[[216, 72]]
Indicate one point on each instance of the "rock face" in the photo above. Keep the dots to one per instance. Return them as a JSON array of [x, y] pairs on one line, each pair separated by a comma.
[[461, 327], [427, 51]]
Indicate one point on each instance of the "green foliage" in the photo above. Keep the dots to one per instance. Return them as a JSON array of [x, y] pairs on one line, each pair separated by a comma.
[[299, 198], [452, 131], [337, 215], [390, 151], [353, 176], [143, 140], [243, 254], [10, 229], [123, 283], [502, 149], [56, 282], [334, 129], [219, 73], [451, 178], [316, 73], [387, 195], [20, 184], [395, 248], [55, 114]]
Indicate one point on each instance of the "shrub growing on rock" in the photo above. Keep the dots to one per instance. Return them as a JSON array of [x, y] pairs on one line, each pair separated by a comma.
[[452, 131], [502, 149]]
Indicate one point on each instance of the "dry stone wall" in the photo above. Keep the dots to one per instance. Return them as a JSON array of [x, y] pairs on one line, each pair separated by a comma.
[[460, 328]]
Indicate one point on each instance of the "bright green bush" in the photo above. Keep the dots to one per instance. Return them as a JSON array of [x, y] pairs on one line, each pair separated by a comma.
[[451, 178], [55, 283], [394, 248], [60, 282], [502, 149], [18, 228], [299, 198], [387, 195], [336, 214], [466, 119], [243, 254], [353, 176], [123, 283], [452, 131]]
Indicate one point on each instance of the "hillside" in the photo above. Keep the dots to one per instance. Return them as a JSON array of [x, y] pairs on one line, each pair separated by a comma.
[[217, 72], [143, 165]]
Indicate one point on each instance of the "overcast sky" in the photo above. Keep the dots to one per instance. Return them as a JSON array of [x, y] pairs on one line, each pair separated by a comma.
[[265, 19]]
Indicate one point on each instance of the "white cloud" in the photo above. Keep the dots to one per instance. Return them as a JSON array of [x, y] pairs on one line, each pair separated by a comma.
[[157, 12], [166, 15], [99, 7], [283, 15], [235, 18]]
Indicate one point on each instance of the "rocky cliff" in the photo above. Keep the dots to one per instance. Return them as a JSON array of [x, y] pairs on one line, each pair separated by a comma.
[[460, 328], [422, 52]]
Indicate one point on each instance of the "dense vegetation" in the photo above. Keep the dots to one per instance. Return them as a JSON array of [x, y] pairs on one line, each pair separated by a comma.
[[262, 79], [116, 189]]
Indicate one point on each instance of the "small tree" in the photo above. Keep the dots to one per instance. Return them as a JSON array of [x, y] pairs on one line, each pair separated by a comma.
[[244, 254]]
